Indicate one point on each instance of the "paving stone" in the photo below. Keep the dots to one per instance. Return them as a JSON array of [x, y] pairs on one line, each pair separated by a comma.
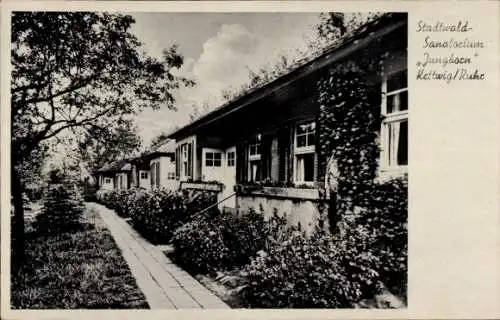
[[163, 283]]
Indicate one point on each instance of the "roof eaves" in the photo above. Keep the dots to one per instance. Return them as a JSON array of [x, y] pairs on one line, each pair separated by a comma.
[[341, 42]]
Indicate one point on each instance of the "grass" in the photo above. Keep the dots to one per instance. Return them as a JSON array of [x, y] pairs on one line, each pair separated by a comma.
[[83, 269]]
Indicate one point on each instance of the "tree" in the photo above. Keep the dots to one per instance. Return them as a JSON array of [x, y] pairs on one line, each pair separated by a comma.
[[199, 111], [73, 70], [103, 143]]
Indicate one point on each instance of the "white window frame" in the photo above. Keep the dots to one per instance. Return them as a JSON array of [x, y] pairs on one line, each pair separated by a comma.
[[231, 161], [256, 157], [210, 156], [386, 164], [171, 175], [184, 161], [142, 173], [299, 151], [107, 180]]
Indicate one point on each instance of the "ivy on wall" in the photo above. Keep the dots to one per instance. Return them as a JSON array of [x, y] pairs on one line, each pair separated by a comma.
[[367, 214], [349, 97]]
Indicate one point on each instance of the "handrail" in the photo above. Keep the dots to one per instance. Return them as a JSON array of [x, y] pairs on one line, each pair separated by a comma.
[[215, 204]]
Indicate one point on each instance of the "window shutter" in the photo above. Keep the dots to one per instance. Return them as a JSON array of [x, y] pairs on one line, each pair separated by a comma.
[[190, 160], [290, 155], [177, 163], [152, 174], [266, 157], [158, 175], [242, 162], [283, 150]]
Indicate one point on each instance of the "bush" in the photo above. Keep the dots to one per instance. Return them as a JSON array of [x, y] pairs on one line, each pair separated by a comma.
[[89, 192], [368, 253], [62, 209], [157, 214], [306, 272], [211, 244]]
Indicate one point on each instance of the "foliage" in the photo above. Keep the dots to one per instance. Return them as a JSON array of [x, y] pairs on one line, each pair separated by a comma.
[[62, 208], [71, 69], [254, 185], [158, 140], [211, 244], [385, 214], [123, 201], [316, 272], [78, 71], [103, 144], [89, 191], [156, 214], [75, 270]]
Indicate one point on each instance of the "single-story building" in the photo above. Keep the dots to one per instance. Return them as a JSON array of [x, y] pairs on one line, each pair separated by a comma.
[[269, 135], [116, 175], [156, 169]]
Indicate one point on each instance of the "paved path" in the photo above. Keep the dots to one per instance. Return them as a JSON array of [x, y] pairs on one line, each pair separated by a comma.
[[165, 285]]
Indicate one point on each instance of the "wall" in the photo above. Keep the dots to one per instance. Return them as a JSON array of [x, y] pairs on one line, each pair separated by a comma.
[[304, 211], [166, 166], [104, 185]]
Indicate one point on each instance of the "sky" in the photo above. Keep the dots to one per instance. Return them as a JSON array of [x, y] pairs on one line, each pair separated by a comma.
[[218, 49]]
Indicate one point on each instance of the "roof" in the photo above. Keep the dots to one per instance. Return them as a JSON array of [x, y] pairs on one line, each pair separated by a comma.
[[166, 147], [120, 165], [346, 45]]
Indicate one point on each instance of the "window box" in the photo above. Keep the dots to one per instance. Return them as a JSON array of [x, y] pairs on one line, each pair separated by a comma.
[[206, 186], [279, 192]]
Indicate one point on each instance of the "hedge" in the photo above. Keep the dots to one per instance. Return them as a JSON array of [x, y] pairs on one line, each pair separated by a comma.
[[156, 214]]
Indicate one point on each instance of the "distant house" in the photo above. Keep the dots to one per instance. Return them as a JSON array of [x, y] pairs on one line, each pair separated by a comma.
[[156, 169], [269, 133], [116, 175]]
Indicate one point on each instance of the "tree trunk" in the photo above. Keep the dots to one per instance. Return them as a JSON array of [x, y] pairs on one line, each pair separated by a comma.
[[17, 231]]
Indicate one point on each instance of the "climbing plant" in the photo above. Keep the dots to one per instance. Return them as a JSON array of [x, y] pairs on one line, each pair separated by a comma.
[[374, 214], [349, 97]]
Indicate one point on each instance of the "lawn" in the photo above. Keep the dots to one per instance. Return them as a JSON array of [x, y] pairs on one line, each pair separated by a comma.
[[82, 269]]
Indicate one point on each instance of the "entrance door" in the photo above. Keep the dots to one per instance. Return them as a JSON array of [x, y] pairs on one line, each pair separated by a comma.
[[229, 178]]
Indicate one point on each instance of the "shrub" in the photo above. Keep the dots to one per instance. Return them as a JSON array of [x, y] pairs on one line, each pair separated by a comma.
[[157, 214], [89, 191], [211, 244], [306, 272], [62, 208], [368, 253]]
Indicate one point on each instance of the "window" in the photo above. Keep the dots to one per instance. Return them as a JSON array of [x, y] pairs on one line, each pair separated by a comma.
[[186, 165], [305, 167], [255, 170], [394, 134], [213, 159], [171, 176], [254, 159], [231, 159], [254, 147], [107, 180], [144, 175], [305, 135]]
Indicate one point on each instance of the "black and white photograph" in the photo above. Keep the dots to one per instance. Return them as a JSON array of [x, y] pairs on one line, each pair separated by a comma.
[[208, 160]]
